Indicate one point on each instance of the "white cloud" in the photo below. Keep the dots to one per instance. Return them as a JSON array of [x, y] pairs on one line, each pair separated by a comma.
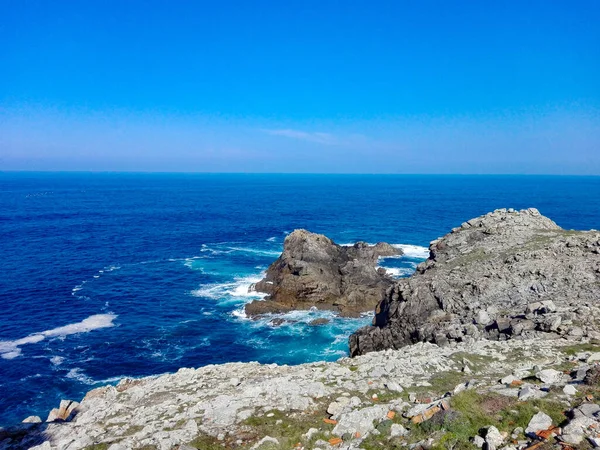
[[320, 138]]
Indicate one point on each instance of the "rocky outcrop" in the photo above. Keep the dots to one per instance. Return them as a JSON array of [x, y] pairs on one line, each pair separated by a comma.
[[503, 275], [315, 271], [389, 399]]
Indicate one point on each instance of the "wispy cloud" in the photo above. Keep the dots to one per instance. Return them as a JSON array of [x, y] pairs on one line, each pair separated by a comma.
[[320, 138]]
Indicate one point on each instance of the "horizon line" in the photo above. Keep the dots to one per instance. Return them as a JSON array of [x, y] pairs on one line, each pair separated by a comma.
[[145, 172]]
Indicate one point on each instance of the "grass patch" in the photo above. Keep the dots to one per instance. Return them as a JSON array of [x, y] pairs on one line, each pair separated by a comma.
[[572, 350], [204, 442], [290, 429], [472, 411]]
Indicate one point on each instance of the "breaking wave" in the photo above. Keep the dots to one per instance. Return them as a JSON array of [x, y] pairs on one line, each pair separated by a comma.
[[12, 349]]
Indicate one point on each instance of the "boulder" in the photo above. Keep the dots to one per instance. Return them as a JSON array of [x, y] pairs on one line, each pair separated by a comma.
[[550, 376], [539, 422]]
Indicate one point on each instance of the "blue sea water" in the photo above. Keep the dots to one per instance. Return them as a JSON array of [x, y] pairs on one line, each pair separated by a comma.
[[110, 275]]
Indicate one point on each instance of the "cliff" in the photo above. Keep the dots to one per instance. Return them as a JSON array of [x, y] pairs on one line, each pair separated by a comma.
[[507, 274]]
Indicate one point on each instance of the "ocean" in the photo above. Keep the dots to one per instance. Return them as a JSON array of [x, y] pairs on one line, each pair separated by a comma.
[[111, 275]]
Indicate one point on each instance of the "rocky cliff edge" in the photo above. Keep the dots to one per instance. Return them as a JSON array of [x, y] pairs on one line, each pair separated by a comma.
[[508, 274]]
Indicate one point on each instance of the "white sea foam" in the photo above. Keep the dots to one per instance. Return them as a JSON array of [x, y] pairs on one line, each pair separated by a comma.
[[235, 290], [77, 374], [255, 251], [398, 271], [11, 349], [57, 360], [413, 251], [272, 239]]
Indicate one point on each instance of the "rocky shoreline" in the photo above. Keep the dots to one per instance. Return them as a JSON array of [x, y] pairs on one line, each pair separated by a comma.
[[493, 343], [511, 395]]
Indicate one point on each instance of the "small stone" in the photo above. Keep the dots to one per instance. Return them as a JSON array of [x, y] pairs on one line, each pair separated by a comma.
[[541, 421], [593, 357], [587, 409], [509, 379], [550, 376], [264, 442], [569, 389], [530, 392], [412, 397], [393, 386], [235, 382], [310, 433], [466, 369], [478, 441], [397, 430], [482, 318], [517, 432], [493, 438], [271, 415], [459, 388]]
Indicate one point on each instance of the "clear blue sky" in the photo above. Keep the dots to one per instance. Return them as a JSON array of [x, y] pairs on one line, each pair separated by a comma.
[[306, 86]]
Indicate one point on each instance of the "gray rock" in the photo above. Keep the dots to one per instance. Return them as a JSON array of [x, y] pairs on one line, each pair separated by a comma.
[[539, 422], [574, 432], [393, 386], [483, 318], [509, 379], [569, 389], [520, 265], [478, 441], [314, 271], [265, 442], [337, 407], [310, 433], [398, 430], [587, 409], [493, 438], [360, 420], [529, 392], [550, 376]]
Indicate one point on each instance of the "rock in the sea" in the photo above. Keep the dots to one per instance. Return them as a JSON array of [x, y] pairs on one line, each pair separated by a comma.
[[313, 271], [502, 275]]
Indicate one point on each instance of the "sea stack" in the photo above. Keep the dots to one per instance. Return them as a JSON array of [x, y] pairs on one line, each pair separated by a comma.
[[315, 271]]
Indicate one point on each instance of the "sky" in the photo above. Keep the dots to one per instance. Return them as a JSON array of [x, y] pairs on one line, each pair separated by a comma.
[[301, 86]]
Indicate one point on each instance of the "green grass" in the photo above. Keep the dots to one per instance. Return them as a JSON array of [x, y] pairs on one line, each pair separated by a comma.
[[204, 442], [291, 428], [579, 348], [474, 411]]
